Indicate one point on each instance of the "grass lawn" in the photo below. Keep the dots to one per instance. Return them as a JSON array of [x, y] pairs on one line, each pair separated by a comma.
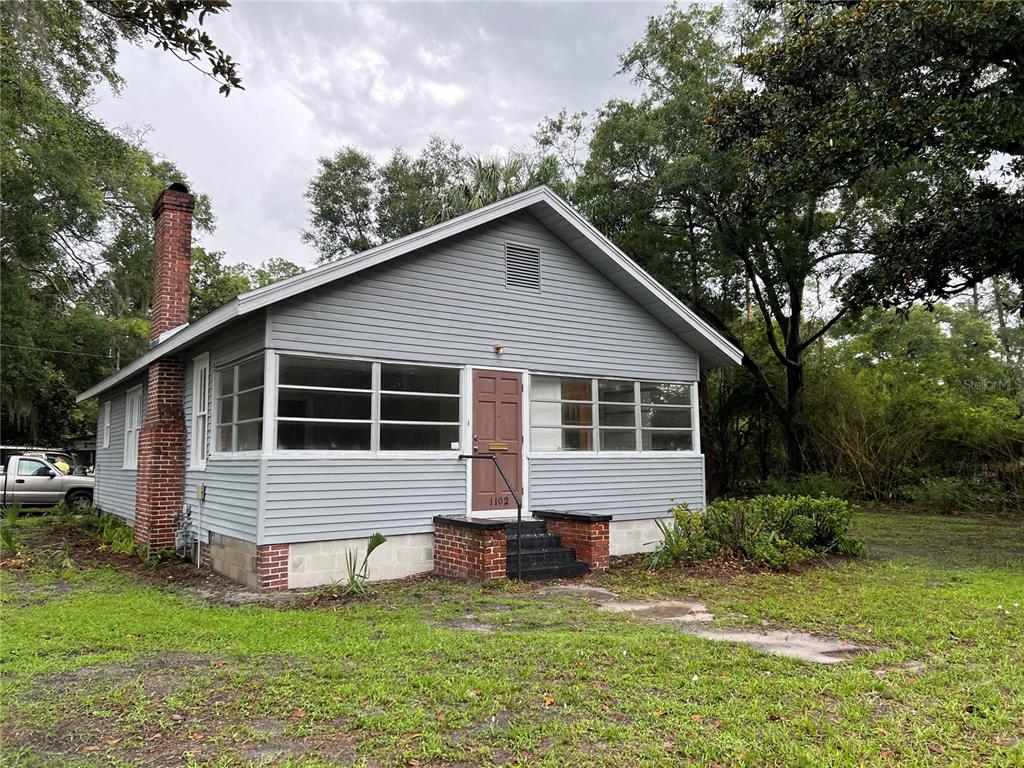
[[103, 667]]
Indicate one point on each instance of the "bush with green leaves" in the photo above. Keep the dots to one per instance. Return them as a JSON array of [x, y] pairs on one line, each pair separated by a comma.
[[685, 540], [954, 494], [815, 484], [771, 531], [115, 536]]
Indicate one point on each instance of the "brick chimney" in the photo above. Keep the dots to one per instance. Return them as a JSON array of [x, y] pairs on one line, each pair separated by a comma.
[[172, 265], [160, 484]]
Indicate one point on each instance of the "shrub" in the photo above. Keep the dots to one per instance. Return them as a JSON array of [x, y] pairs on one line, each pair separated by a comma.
[[816, 484], [115, 536], [954, 494], [685, 540], [772, 531]]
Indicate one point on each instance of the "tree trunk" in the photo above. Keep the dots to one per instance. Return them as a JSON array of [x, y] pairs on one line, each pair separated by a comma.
[[795, 437], [712, 476], [793, 422]]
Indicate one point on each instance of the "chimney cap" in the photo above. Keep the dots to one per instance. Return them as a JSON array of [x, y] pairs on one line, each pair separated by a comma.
[[175, 196]]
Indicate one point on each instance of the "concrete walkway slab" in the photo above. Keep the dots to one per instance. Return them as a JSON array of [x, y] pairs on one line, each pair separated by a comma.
[[577, 590], [816, 649], [683, 611]]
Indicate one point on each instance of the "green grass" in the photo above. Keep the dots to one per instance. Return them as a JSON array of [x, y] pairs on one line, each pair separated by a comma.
[[91, 656]]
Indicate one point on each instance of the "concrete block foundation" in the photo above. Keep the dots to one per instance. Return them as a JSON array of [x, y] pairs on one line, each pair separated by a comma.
[[317, 563], [627, 537]]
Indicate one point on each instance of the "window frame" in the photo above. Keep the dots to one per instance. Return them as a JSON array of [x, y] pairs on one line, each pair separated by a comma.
[[200, 439], [218, 372], [597, 428], [105, 429], [561, 402], [132, 428], [375, 421]]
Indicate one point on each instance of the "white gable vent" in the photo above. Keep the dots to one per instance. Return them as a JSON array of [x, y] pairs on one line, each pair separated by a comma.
[[522, 266]]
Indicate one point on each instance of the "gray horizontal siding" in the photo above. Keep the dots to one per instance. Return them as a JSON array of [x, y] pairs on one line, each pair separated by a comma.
[[629, 488], [232, 497], [232, 484], [241, 339], [114, 491], [309, 499], [449, 304]]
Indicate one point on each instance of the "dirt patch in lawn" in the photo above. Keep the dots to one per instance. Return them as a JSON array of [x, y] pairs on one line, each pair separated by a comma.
[[469, 623], [158, 709]]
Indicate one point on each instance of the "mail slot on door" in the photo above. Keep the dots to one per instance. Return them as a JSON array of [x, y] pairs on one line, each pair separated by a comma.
[[497, 446]]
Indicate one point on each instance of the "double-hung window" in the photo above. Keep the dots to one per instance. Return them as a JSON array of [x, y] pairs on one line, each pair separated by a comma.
[[577, 414], [132, 426], [354, 405], [200, 409], [240, 407], [106, 424]]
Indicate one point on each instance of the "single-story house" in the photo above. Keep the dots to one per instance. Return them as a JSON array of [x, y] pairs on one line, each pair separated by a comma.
[[286, 427]]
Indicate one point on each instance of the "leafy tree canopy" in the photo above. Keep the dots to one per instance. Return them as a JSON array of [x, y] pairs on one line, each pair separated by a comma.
[[356, 203], [76, 245], [934, 90]]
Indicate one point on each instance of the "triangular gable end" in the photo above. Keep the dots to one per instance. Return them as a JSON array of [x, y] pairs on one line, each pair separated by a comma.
[[547, 207]]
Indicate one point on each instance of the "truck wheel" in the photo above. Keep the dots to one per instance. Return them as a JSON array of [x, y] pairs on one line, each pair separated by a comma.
[[79, 501]]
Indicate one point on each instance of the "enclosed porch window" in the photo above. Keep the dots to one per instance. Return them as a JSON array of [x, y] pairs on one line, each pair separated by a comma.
[[331, 404], [578, 414]]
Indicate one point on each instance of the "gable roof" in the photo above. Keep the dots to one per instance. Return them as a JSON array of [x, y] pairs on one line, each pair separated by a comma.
[[551, 210]]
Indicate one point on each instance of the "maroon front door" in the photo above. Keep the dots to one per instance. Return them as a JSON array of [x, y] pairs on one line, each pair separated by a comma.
[[497, 429]]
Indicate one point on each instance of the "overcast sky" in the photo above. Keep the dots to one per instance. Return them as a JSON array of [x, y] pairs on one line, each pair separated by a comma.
[[321, 75]]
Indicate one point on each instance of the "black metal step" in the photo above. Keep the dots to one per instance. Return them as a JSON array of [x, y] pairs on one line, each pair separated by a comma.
[[534, 541], [540, 573]]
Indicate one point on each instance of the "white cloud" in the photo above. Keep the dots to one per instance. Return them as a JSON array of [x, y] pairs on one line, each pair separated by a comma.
[[445, 95], [320, 75]]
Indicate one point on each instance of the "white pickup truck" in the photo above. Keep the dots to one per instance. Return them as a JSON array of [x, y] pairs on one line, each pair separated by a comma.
[[35, 482]]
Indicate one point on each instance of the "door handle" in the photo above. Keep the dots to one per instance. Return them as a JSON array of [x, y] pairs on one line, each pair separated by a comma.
[[19, 481]]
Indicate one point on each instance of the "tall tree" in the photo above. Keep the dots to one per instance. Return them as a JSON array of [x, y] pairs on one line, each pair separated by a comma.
[[76, 200], [341, 197], [355, 203], [932, 89], [659, 185], [214, 283]]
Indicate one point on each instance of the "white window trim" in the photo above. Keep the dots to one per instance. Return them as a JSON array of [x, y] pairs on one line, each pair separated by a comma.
[[215, 397], [375, 422], [595, 427], [200, 395], [106, 424], [130, 459]]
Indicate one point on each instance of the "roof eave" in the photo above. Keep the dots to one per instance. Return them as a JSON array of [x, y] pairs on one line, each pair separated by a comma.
[[715, 350], [181, 339]]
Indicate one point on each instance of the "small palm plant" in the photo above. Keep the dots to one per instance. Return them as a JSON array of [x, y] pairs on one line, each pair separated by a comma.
[[8, 537], [357, 576]]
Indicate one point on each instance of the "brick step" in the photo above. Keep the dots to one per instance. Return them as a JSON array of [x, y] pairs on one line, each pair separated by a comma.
[[542, 573], [533, 541]]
